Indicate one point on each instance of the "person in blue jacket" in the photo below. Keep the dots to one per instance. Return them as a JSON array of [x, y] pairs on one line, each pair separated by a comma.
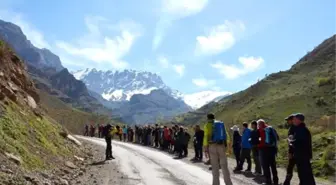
[[246, 149]]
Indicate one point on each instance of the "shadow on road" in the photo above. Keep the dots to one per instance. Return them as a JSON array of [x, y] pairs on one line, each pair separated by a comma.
[[98, 163]]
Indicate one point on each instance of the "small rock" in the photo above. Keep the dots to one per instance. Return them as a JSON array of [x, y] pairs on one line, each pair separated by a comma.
[[1, 74], [70, 165], [74, 140], [79, 182], [46, 183], [31, 102], [63, 182], [80, 173], [45, 175], [8, 171], [14, 158], [79, 158]]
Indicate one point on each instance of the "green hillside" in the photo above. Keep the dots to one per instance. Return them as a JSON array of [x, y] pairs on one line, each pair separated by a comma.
[[308, 87]]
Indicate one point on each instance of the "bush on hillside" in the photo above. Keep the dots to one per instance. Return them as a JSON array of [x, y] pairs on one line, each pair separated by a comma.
[[320, 101], [324, 81]]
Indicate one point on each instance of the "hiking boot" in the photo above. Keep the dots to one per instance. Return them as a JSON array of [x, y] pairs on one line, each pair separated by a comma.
[[237, 169], [193, 159], [207, 162], [248, 170]]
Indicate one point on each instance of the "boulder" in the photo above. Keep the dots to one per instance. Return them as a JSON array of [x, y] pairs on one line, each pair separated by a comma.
[[14, 158], [74, 140], [31, 102], [70, 165]]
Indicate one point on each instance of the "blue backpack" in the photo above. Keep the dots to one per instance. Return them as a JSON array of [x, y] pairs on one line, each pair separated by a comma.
[[218, 132], [271, 138]]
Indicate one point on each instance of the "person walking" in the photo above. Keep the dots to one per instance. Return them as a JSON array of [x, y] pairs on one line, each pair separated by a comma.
[[108, 131], [86, 130], [291, 161], [198, 144], [215, 146], [236, 145], [181, 139], [254, 141], [268, 151], [302, 150], [246, 149], [124, 131]]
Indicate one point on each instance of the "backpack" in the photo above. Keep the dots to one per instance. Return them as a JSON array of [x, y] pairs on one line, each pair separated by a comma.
[[271, 138], [218, 132]]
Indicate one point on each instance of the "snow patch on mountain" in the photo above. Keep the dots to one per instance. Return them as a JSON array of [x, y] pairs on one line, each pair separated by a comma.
[[197, 100], [81, 73]]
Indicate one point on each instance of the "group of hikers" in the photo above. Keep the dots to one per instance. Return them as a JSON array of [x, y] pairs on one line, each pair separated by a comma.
[[259, 142]]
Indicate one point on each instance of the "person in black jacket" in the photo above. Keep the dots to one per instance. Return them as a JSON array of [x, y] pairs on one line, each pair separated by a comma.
[[108, 138], [254, 140], [302, 150], [198, 144], [236, 145], [291, 161]]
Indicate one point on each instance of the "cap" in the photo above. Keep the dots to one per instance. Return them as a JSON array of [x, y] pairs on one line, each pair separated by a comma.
[[211, 116], [290, 117], [235, 128], [299, 116]]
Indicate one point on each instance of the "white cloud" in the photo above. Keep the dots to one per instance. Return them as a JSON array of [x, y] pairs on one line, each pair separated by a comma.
[[99, 48], [219, 38], [249, 64], [179, 69], [172, 10], [202, 82], [163, 61], [34, 35]]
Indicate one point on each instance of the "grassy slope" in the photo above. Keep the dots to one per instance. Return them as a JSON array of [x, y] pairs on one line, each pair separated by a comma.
[[36, 140], [308, 87], [73, 119]]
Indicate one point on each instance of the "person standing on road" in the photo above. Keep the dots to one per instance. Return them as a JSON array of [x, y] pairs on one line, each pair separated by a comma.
[[215, 147], [108, 132], [246, 149], [124, 131], [254, 140], [236, 145], [198, 144], [291, 161], [268, 151], [302, 147], [86, 132]]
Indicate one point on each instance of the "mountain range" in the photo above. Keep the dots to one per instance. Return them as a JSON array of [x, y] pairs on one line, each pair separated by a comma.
[[134, 96], [120, 86]]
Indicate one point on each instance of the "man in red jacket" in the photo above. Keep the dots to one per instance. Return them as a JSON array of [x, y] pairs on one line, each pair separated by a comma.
[[268, 153]]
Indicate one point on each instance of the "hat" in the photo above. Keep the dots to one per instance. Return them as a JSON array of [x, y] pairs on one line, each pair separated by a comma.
[[290, 117], [299, 116], [211, 116], [235, 128]]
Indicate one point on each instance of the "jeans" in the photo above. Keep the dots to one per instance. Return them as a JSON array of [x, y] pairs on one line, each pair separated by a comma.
[[198, 151], [255, 154], [290, 168], [245, 154], [267, 154], [108, 152], [236, 152]]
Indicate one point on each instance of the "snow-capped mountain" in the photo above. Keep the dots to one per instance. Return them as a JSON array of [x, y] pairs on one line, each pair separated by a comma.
[[119, 86], [122, 85], [197, 100]]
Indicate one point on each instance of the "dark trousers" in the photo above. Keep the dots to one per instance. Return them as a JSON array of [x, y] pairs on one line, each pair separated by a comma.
[[156, 142], [290, 168], [305, 172], [183, 150], [255, 155], [267, 155], [108, 152], [236, 152], [198, 151], [245, 155]]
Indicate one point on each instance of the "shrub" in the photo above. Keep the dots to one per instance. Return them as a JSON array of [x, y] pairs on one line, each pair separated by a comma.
[[324, 81], [320, 101]]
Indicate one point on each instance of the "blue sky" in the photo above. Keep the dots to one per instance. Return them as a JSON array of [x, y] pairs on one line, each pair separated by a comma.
[[194, 45]]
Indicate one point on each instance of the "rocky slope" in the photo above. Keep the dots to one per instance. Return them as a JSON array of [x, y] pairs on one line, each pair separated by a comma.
[[47, 72], [308, 87], [40, 58], [33, 147]]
